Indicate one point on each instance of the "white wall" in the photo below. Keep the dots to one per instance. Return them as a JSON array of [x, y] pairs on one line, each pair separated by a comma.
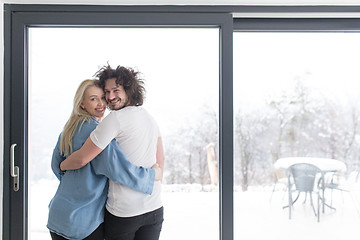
[[133, 2]]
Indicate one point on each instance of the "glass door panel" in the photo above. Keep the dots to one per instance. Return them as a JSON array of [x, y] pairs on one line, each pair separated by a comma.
[[295, 95], [181, 71]]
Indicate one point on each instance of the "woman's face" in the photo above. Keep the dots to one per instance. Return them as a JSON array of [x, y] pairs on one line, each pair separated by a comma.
[[94, 102]]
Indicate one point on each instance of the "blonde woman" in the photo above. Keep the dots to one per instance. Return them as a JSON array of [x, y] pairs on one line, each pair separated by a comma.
[[77, 209]]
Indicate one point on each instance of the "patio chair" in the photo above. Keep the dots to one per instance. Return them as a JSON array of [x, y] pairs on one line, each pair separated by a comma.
[[337, 181], [332, 182], [281, 179], [304, 176]]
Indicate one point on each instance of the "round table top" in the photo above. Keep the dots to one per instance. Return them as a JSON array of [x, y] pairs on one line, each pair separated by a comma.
[[324, 164]]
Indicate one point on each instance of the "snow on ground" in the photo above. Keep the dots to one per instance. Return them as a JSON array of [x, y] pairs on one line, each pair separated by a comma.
[[193, 214], [257, 217]]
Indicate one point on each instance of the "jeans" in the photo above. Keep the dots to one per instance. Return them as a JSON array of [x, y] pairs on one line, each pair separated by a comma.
[[146, 226], [98, 234]]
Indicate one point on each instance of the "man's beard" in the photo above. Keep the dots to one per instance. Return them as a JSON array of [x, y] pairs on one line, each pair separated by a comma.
[[121, 106]]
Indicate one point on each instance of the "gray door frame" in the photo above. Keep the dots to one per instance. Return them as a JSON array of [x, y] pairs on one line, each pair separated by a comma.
[[18, 18]]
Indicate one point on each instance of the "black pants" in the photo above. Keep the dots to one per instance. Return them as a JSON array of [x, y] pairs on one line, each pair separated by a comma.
[[143, 227], [98, 234]]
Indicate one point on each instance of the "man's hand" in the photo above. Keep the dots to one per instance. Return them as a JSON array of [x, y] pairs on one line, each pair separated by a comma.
[[158, 172]]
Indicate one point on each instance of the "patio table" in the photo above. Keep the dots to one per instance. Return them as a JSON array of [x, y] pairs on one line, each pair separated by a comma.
[[324, 164]]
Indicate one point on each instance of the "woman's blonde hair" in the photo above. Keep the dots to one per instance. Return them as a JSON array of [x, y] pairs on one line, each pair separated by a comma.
[[78, 117]]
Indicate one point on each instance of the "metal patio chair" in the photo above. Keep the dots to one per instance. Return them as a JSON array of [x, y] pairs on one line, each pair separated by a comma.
[[331, 182], [304, 176], [281, 179], [335, 181]]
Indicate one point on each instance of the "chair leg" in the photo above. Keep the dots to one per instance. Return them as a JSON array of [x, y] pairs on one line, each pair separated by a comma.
[[318, 210], [311, 202], [305, 197], [272, 192], [290, 203], [297, 197]]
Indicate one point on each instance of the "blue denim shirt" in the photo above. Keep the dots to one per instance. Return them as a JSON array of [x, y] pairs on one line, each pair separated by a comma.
[[77, 208]]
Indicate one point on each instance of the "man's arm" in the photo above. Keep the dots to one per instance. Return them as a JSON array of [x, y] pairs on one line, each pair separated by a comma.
[[81, 157], [113, 163], [160, 157]]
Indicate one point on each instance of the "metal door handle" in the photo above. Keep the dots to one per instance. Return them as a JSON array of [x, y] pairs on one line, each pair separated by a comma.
[[12, 162], [14, 170]]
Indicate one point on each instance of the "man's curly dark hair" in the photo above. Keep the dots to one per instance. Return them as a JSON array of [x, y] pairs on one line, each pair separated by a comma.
[[126, 77]]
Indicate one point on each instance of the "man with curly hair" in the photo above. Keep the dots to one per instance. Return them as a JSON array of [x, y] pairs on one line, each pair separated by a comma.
[[129, 214]]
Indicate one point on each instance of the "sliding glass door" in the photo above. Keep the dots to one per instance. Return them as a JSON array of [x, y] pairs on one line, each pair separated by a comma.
[[178, 56]]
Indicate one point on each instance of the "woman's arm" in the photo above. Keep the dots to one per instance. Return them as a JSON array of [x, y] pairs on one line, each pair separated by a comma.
[[81, 157], [160, 157], [56, 160]]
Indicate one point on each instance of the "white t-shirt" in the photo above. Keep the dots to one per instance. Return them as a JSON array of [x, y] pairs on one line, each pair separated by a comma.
[[137, 134]]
